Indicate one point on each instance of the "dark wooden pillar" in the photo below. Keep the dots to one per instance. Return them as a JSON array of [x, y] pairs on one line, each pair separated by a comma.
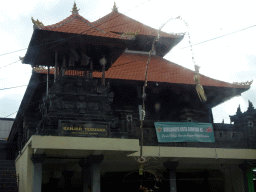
[[56, 66], [171, 168], [91, 69], [103, 74], [64, 65], [47, 81]]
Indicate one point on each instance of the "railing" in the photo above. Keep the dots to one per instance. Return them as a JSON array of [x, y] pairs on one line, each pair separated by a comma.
[[150, 138]]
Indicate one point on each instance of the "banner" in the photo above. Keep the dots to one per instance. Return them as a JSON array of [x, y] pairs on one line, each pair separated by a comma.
[[184, 132]]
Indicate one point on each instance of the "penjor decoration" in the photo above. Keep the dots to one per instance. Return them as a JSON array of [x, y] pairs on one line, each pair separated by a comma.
[[199, 88]]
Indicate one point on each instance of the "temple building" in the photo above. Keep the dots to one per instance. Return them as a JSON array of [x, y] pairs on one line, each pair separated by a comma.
[[89, 122]]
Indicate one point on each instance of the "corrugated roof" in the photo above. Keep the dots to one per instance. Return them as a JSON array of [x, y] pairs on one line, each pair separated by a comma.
[[76, 24], [119, 23], [132, 67]]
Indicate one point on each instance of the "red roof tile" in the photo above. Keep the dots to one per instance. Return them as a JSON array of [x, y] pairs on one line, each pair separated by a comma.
[[132, 67], [76, 24], [119, 23]]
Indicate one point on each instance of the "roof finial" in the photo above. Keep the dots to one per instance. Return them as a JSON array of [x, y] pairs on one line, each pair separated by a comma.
[[238, 111], [250, 108], [74, 9], [115, 7], [36, 22]]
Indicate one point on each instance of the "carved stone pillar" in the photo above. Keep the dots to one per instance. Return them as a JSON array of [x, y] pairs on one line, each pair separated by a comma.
[[37, 160], [171, 168]]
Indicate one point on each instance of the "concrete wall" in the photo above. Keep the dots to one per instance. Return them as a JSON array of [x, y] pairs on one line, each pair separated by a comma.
[[83, 143], [25, 168]]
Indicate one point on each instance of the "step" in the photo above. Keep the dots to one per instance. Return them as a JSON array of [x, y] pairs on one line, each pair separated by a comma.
[[8, 180], [7, 172], [9, 190], [8, 176], [7, 161], [9, 185], [6, 166]]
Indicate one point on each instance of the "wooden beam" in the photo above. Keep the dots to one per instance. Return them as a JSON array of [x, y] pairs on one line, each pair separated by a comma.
[[47, 85], [56, 66], [63, 65]]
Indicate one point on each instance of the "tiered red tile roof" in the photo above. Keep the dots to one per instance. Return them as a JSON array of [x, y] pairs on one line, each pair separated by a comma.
[[132, 67], [119, 23], [76, 24]]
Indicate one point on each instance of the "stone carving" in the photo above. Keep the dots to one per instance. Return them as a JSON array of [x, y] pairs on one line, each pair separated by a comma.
[[37, 22], [248, 83]]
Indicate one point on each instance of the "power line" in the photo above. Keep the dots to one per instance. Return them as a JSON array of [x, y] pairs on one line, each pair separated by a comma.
[[13, 87], [15, 76], [72, 36], [220, 36], [9, 64], [11, 114], [13, 51]]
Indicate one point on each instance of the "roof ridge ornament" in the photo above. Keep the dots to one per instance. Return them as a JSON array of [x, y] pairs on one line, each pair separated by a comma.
[[238, 111], [115, 8], [37, 22], [250, 107], [247, 83], [74, 9]]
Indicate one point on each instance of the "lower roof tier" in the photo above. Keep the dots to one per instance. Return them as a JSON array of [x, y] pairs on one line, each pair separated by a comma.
[[131, 66]]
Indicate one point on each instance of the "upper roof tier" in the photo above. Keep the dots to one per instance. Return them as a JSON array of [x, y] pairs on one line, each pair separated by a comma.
[[74, 33], [118, 23], [76, 24]]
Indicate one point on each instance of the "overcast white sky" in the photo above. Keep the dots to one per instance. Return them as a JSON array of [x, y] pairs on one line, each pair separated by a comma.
[[231, 58]]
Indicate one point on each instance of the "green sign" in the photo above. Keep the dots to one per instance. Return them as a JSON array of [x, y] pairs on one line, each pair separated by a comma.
[[184, 132]]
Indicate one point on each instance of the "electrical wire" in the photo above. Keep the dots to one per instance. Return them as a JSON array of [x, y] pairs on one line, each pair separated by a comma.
[[74, 35], [15, 76], [13, 52], [220, 36], [13, 87], [124, 24], [10, 114], [9, 64]]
